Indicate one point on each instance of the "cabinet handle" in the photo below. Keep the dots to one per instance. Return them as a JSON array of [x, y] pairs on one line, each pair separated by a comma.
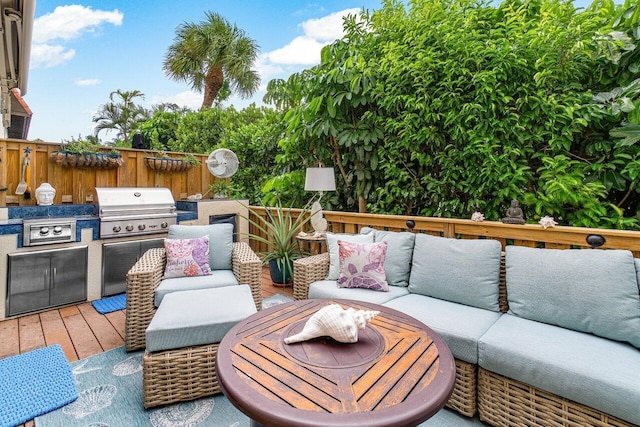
[[47, 284], [55, 270]]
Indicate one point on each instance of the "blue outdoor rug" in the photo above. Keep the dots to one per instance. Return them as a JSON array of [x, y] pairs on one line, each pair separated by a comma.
[[109, 304], [110, 395], [34, 383]]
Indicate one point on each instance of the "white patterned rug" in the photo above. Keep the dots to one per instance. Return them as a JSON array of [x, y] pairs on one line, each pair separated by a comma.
[[110, 395]]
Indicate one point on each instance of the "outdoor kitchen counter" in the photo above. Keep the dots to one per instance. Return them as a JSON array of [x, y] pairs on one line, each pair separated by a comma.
[[12, 217]]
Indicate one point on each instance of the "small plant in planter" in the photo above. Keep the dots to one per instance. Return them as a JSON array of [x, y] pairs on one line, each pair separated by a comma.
[[222, 189], [278, 230], [78, 153], [162, 161]]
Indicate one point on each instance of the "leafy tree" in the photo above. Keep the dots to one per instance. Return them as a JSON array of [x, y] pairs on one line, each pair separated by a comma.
[[208, 54], [121, 114], [160, 130], [333, 121]]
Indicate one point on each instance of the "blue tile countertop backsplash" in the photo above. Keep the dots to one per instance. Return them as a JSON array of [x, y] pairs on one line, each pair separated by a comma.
[[85, 215]]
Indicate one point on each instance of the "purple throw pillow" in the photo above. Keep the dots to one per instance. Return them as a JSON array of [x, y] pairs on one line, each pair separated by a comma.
[[187, 257], [362, 265]]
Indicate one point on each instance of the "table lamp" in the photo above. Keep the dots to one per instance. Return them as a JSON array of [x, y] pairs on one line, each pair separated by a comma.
[[319, 179]]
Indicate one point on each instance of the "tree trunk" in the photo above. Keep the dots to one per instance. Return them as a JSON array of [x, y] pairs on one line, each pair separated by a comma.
[[212, 85]]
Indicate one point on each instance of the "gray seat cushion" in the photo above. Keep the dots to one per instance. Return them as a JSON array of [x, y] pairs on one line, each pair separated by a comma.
[[329, 289], [460, 326], [217, 279], [587, 369], [198, 317]]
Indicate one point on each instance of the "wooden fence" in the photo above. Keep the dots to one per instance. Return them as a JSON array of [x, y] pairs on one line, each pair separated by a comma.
[[532, 235], [75, 185]]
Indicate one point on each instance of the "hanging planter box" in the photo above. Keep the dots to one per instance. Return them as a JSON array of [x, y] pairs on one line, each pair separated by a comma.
[[88, 160], [167, 165]]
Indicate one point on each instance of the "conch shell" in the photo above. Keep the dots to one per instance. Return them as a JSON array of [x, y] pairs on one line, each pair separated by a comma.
[[335, 322]]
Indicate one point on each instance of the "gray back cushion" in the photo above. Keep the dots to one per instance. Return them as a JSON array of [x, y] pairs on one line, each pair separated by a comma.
[[594, 291], [220, 241], [397, 264], [462, 271]]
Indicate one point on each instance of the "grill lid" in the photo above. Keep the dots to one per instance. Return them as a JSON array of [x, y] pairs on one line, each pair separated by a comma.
[[122, 202]]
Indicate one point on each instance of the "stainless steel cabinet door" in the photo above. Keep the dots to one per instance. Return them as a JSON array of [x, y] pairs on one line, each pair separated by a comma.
[[43, 279], [68, 276], [117, 260], [28, 282]]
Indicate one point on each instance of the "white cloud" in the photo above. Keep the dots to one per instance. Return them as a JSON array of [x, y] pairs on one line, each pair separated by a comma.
[[266, 69], [305, 49], [87, 82], [65, 23], [327, 28], [45, 55], [69, 22], [301, 50]]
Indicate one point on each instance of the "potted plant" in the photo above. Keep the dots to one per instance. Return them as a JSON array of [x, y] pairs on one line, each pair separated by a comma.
[[78, 153], [278, 230], [162, 161], [222, 189]]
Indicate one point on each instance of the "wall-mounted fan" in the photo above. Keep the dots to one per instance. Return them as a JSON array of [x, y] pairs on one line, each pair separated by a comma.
[[222, 163]]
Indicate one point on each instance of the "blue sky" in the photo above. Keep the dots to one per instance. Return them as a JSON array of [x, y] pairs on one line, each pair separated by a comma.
[[82, 51]]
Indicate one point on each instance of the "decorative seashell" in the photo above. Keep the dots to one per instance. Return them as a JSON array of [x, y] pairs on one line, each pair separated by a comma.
[[547, 221], [335, 322], [91, 400], [182, 414], [477, 217], [128, 366]]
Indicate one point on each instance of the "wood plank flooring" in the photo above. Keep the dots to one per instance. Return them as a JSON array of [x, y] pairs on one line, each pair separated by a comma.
[[79, 329]]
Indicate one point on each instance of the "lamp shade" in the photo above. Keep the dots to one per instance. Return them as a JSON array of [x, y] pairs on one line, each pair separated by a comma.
[[320, 179]]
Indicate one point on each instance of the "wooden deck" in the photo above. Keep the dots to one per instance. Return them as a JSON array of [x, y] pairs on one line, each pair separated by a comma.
[[79, 329]]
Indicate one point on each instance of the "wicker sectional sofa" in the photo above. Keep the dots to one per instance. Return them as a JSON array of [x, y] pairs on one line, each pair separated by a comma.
[[540, 336]]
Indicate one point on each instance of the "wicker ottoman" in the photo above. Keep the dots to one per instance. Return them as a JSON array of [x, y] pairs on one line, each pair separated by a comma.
[[182, 342]]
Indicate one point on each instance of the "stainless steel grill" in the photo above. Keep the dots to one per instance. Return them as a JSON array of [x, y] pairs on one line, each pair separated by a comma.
[[132, 211]]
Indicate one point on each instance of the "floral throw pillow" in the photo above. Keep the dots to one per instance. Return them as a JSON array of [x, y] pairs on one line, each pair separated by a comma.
[[362, 265], [187, 257]]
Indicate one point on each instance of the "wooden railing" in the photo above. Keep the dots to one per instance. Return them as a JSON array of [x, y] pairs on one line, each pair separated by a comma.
[[75, 185], [532, 235]]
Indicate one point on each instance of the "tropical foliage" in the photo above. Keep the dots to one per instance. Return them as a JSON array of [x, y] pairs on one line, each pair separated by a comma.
[[210, 53], [121, 114], [448, 107]]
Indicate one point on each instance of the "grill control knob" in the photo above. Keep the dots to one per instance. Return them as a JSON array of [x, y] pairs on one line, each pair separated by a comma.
[[141, 227], [129, 227], [57, 229], [44, 230], [164, 225], [117, 229]]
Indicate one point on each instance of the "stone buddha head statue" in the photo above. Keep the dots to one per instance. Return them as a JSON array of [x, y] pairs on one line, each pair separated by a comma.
[[45, 194]]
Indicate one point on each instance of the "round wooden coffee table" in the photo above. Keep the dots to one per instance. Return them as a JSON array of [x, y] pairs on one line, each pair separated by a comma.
[[399, 372]]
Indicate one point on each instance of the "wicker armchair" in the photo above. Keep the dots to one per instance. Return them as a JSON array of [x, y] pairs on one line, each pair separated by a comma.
[[463, 399], [145, 276]]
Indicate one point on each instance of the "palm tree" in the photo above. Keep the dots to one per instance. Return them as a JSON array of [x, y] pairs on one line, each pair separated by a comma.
[[207, 53], [122, 116]]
